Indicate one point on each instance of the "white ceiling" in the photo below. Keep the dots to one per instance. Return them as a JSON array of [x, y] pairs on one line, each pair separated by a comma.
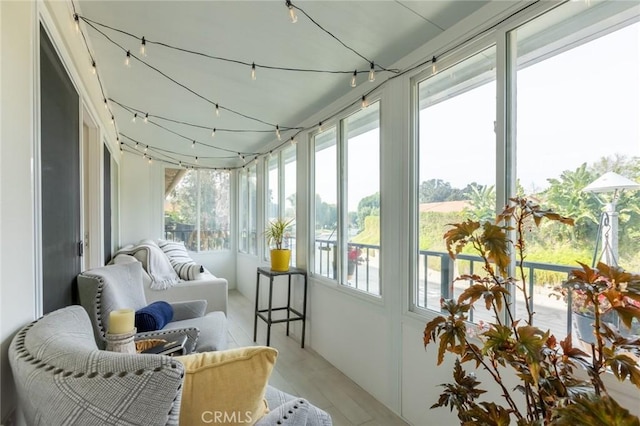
[[248, 31]]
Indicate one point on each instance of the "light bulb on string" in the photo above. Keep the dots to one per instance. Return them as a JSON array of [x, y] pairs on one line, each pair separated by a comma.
[[93, 67], [365, 103], [146, 118], [106, 105], [127, 59], [143, 47], [278, 132], [136, 147], [269, 155], [193, 144], [433, 66], [293, 141], [196, 160], [179, 163], [320, 127], [292, 12], [146, 148], [135, 115], [353, 79], [112, 119], [149, 160], [217, 111], [76, 20], [213, 132], [253, 71], [372, 73]]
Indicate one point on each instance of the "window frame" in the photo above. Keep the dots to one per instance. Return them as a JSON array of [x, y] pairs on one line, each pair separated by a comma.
[[505, 128], [338, 122]]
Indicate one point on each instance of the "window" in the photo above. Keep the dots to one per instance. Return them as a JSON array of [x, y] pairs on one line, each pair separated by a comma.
[[578, 117], [281, 193], [572, 115], [455, 169], [347, 201], [247, 213], [197, 208]]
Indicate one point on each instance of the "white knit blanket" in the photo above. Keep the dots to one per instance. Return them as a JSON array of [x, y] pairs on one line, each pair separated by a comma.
[[155, 262]]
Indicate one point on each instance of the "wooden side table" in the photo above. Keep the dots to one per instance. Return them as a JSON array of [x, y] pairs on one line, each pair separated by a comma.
[[292, 314]]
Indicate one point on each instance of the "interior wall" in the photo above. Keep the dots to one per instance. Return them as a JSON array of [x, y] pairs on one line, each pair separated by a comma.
[[17, 274]]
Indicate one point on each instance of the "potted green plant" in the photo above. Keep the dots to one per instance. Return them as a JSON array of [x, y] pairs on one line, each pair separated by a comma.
[[275, 234], [551, 392]]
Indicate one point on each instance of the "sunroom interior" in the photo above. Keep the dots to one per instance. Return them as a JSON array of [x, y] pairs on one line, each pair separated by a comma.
[[373, 125]]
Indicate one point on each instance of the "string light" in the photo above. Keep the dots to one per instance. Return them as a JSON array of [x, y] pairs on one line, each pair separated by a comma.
[[146, 118], [217, 111], [365, 103], [433, 65], [193, 144], [93, 67], [112, 119], [353, 79], [293, 141], [127, 60], [253, 71], [292, 12], [106, 105], [149, 160], [76, 18], [136, 147], [146, 148], [143, 47], [196, 159], [135, 115], [278, 132], [320, 127], [241, 157], [372, 73], [213, 133]]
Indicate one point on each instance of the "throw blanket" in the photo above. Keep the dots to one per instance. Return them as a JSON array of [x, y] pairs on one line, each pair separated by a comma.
[[155, 262]]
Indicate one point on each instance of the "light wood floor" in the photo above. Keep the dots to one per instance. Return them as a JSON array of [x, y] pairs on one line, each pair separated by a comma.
[[304, 373]]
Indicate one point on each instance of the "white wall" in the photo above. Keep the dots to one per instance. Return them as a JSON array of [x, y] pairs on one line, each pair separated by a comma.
[[19, 142], [17, 274]]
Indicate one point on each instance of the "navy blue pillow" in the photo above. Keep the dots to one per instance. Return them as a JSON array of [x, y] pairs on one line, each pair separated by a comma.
[[153, 317]]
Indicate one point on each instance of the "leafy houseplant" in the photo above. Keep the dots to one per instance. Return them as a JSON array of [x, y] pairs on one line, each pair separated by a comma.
[[275, 234], [552, 393]]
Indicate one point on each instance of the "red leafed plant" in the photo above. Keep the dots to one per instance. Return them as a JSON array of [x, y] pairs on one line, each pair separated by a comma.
[[553, 394]]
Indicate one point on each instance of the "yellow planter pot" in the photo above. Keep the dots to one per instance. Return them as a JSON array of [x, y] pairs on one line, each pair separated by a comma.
[[280, 259]]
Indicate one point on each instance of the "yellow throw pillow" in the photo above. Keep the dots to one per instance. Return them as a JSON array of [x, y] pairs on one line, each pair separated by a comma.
[[226, 387]]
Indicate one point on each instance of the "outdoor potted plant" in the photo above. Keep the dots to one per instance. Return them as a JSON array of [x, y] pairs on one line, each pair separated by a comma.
[[275, 234], [354, 258], [588, 284], [544, 366]]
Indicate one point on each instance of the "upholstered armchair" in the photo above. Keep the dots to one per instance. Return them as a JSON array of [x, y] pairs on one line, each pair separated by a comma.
[[63, 378], [119, 286]]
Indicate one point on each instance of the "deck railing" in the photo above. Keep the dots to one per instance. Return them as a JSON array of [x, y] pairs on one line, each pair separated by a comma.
[[437, 272]]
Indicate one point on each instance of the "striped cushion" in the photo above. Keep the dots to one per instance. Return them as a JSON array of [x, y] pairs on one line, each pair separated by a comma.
[[185, 267]]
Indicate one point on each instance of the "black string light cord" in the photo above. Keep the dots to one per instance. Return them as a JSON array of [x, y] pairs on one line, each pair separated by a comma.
[[229, 60], [291, 5], [184, 86], [335, 114]]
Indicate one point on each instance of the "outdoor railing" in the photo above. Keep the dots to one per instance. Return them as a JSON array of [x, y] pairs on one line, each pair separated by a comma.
[[435, 280]]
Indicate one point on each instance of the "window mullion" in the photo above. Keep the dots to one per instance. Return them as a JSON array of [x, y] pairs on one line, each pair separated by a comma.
[[342, 201]]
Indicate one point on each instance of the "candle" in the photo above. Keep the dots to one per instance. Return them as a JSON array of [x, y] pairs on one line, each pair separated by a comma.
[[121, 321]]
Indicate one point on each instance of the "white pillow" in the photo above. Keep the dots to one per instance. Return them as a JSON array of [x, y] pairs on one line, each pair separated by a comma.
[[182, 263]]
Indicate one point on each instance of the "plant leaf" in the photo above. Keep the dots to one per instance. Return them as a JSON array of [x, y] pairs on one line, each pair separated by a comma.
[[593, 410]]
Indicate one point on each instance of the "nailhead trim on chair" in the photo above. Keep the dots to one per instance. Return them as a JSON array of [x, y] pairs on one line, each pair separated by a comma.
[[23, 352], [98, 313]]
